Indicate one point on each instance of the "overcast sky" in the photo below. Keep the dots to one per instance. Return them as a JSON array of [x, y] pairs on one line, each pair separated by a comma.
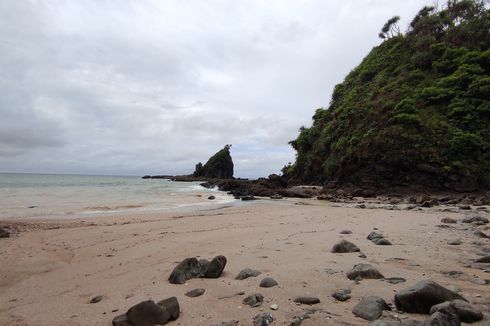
[[152, 87]]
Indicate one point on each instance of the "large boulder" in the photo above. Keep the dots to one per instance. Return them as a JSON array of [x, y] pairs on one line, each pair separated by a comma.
[[194, 268], [361, 271], [219, 166], [370, 308], [420, 297]]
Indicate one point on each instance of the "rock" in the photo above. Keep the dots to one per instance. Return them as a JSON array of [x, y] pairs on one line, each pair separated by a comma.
[[121, 320], [194, 268], [345, 246], [455, 242], [465, 207], [466, 312], [362, 255], [215, 267], [441, 319], [346, 232], [246, 273], [211, 197], [4, 233], [366, 271], [171, 305], [307, 300], [268, 282], [448, 220], [395, 280], [420, 297], [96, 299], [473, 219], [147, 313], [254, 300], [378, 239], [245, 198], [263, 319], [195, 293], [227, 323], [484, 259], [274, 306], [219, 166], [276, 196], [342, 295], [370, 308]]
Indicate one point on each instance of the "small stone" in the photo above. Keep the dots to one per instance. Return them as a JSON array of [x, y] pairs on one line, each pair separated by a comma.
[[346, 232], [345, 246], [342, 295], [254, 300], [195, 293], [274, 306], [307, 300], [370, 308], [246, 273], [227, 323], [395, 280], [263, 319], [268, 282], [362, 255], [378, 239], [454, 242], [211, 197], [96, 299], [4, 233], [364, 271], [448, 220], [473, 219]]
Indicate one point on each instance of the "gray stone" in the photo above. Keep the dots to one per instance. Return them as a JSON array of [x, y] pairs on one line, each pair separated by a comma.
[[466, 312], [378, 239], [364, 271], [307, 300], [147, 313], [246, 273], [395, 280], [420, 297], [370, 308], [345, 246], [268, 282], [342, 295], [195, 293], [215, 267], [475, 219], [263, 319], [171, 305], [227, 323], [442, 319], [254, 300]]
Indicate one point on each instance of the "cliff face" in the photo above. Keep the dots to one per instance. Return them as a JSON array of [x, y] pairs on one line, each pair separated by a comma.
[[416, 111], [219, 166]]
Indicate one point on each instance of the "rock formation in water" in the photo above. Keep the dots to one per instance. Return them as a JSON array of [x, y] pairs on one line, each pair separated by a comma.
[[219, 166]]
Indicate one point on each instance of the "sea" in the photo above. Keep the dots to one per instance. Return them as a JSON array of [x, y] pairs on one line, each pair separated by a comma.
[[71, 196]]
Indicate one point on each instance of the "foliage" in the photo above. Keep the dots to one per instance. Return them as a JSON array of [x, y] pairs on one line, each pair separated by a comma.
[[416, 108]]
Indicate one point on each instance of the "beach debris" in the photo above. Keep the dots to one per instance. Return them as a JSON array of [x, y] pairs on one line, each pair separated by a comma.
[[195, 293], [364, 271], [268, 282], [263, 319], [370, 308], [307, 300], [466, 312], [254, 300], [342, 295], [149, 313], [194, 268], [96, 299], [4, 233], [246, 273], [345, 246], [420, 297], [378, 239]]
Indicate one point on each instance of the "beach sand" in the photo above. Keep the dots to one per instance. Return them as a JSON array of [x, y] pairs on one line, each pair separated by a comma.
[[51, 269]]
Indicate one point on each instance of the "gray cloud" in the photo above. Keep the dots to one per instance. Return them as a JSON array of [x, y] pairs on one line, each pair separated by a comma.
[[150, 86]]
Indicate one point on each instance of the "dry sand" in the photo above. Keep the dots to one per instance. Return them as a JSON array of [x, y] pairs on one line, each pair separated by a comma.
[[51, 269]]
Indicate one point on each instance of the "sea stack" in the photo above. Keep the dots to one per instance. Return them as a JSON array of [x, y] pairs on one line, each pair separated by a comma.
[[219, 166]]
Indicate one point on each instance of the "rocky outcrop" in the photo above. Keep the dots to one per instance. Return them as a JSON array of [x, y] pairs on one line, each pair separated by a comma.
[[219, 166]]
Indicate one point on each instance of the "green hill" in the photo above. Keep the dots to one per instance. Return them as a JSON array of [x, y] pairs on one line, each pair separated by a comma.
[[416, 111]]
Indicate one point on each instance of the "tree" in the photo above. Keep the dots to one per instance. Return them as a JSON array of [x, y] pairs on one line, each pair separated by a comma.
[[390, 28]]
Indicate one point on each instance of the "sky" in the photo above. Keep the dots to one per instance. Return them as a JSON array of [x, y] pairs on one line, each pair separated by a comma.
[[139, 87]]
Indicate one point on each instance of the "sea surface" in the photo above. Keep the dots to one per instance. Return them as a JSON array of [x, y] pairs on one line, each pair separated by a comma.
[[57, 196]]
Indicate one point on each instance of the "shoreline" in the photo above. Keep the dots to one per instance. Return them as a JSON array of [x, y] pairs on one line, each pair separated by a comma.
[[50, 273]]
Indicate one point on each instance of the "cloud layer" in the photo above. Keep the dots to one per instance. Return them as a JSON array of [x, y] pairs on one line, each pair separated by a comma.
[[147, 87]]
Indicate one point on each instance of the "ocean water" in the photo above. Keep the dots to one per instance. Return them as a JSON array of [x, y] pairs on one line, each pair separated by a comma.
[[46, 195]]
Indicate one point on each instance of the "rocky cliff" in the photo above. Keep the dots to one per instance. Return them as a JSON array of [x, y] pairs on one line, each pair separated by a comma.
[[219, 166]]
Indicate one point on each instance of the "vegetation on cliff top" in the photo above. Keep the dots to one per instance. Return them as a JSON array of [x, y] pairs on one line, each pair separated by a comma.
[[415, 111]]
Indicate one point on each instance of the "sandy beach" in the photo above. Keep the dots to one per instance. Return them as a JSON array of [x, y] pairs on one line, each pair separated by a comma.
[[51, 269]]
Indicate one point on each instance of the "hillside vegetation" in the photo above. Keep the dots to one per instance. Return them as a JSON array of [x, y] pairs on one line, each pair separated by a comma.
[[416, 111]]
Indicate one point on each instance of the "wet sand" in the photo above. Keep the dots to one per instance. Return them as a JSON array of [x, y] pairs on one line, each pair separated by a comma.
[[51, 269]]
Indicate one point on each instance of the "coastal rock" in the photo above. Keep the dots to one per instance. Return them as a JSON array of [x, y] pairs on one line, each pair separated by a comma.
[[4, 233], [194, 268], [307, 300], [370, 308], [171, 305], [420, 297], [466, 312], [345, 246], [121, 320], [263, 319], [147, 313], [195, 293], [215, 267], [254, 300], [442, 319], [246, 273], [364, 271], [378, 239], [219, 166], [342, 295], [268, 282]]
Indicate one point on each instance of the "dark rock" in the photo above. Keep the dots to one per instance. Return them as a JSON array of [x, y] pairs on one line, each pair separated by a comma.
[[276, 196], [171, 305], [268, 282], [121, 320], [246, 198], [96, 299], [395, 280], [211, 197], [254, 300], [346, 232], [448, 220], [422, 296], [345, 246], [378, 239], [466, 312], [219, 166], [215, 267], [4, 233], [307, 300], [263, 319], [485, 259], [473, 219], [465, 207], [370, 308], [362, 271], [147, 313], [195, 293], [342, 295], [246, 273], [442, 319], [455, 242]]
